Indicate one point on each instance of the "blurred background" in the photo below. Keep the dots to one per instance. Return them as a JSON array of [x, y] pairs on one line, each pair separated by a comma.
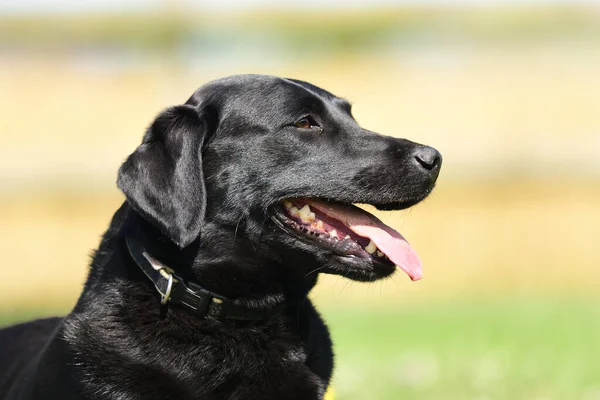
[[508, 91]]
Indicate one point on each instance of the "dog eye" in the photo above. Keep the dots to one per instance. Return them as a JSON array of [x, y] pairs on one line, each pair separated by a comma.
[[306, 123]]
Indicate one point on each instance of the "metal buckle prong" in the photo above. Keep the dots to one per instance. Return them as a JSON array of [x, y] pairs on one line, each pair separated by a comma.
[[165, 297]]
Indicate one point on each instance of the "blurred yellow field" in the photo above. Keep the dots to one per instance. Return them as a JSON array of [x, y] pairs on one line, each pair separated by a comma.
[[515, 209]]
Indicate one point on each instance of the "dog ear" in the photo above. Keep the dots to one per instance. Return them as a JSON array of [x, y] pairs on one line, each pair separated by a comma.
[[163, 178]]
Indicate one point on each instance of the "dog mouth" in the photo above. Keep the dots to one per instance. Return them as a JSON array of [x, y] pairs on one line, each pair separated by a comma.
[[347, 231]]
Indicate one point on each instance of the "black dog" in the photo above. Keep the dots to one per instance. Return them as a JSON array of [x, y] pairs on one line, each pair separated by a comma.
[[236, 201]]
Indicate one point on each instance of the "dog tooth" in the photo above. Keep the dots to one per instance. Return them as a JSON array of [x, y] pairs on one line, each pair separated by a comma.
[[371, 248], [294, 211], [333, 233], [287, 204], [347, 237], [305, 210], [379, 253], [305, 214], [319, 225]]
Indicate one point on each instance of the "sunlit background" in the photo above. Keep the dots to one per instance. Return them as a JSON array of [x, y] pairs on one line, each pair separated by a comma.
[[509, 92]]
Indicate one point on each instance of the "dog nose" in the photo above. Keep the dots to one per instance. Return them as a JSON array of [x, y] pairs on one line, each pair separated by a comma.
[[429, 159]]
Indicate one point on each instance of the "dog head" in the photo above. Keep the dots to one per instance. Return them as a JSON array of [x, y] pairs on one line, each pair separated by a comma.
[[259, 173]]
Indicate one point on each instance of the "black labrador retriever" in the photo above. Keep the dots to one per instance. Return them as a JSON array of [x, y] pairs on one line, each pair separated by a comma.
[[236, 201]]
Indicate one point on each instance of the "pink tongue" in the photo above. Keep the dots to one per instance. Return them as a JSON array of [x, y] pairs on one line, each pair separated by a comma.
[[385, 238]]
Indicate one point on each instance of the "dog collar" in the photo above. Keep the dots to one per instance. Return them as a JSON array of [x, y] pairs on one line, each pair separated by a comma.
[[191, 296]]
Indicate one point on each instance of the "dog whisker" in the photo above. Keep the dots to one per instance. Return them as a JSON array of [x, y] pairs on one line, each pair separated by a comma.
[[314, 270]]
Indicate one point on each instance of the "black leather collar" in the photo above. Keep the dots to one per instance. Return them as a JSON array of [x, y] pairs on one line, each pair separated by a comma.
[[191, 296]]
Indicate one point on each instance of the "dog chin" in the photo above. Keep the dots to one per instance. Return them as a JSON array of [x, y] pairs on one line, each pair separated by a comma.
[[355, 268]]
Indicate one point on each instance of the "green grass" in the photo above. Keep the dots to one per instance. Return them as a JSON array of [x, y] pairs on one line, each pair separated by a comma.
[[469, 350], [513, 349]]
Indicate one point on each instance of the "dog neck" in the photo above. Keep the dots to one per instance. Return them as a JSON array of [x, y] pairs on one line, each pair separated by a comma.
[[250, 285]]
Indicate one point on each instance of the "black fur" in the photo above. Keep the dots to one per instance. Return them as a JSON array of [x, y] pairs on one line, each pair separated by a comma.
[[199, 194]]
